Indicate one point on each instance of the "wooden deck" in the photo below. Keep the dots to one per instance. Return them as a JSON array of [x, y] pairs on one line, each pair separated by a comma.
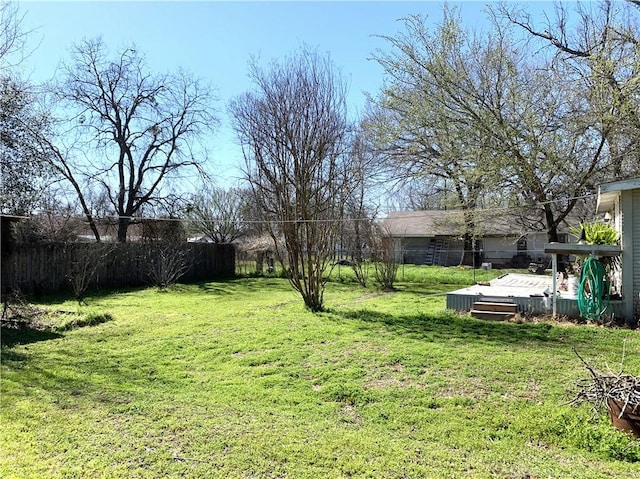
[[527, 291], [524, 290]]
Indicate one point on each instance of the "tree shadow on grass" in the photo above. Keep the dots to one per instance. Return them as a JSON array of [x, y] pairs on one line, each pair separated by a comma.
[[12, 336], [238, 285], [448, 326], [217, 288], [54, 299]]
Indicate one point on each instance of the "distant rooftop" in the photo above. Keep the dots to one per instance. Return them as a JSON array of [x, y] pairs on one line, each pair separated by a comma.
[[430, 223]]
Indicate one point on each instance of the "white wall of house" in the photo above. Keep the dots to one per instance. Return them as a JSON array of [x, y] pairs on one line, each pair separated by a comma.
[[625, 212], [501, 249], [625, 218], [412, 250], [498, 250], [455, 252], [616, 221], [630, 219]]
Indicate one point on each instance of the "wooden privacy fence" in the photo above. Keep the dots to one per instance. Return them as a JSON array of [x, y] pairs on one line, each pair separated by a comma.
[[49, 267]]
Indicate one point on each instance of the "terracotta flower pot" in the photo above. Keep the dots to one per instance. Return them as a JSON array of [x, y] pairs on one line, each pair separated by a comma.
[[627, 421]]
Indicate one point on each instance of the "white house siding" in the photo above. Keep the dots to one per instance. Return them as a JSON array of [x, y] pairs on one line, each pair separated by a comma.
[[501, 249], [535, 246], [636, 249], [498, 250], [628, 223], [616, 220], [622, 198], [414, 250], [454, 252]]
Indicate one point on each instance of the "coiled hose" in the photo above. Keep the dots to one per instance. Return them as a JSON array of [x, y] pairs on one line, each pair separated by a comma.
[[593, 290]]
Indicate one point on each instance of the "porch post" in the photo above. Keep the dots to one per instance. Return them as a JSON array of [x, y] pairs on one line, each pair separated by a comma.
[[554, 278]]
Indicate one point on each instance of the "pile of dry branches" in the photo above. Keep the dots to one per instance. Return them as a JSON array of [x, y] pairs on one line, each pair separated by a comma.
[[17, 312], [600, 388]]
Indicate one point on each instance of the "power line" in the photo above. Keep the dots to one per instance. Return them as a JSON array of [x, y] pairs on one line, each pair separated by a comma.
[[407, 215]]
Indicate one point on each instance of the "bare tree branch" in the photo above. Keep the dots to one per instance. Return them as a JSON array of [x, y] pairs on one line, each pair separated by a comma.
[[145, 125], [293, 130]]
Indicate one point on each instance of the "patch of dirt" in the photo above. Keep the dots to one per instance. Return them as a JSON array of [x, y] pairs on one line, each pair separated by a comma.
[[350, 414], [564, 321], [368, 296], [452, 392], [395, 378], [386, 383]]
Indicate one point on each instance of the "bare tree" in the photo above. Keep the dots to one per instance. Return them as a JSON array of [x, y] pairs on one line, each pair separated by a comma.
[[599, 51], [167, 262], [385, 257], [293, 129], [84, 262], [12, 35], [359, 209], [141, 129], [220, 214]]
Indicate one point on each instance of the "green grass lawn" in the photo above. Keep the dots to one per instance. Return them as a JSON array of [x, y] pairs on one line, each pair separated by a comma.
[[236, 379]]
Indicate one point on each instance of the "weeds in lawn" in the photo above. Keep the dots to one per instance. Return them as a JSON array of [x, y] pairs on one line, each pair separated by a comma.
[[88, 319]]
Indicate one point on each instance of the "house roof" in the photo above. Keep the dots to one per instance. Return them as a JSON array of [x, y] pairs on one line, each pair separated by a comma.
[[608, 192], [424, 223], [431, 223]]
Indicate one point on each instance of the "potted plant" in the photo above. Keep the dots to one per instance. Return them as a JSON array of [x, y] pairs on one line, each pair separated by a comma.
[[594, 273]]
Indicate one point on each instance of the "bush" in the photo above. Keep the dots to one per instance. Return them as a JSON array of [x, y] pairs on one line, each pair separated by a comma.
[[167, 263]]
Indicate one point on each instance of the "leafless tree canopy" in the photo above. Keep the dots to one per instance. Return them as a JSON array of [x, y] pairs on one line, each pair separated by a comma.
[[293, 129], [359, 208], [12, 36], [220, 214], [137, 129]]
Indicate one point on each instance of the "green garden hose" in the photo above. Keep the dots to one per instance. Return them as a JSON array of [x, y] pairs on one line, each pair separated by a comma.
[[593, 290]]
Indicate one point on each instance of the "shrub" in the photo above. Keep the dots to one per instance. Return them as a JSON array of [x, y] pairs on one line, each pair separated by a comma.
[[167, 263]]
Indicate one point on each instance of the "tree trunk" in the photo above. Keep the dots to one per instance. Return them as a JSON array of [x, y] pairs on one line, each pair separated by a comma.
[[260, 262], [467, 255], [94, 228], [552, 237], [470, 226], [123, 226], [357, 253]]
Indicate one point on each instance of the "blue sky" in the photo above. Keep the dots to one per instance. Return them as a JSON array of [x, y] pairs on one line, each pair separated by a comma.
[[215, 40]]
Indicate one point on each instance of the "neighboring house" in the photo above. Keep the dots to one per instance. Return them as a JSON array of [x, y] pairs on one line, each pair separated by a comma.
[[67, 228], [200, 239], [619, 201], [435, 237]]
